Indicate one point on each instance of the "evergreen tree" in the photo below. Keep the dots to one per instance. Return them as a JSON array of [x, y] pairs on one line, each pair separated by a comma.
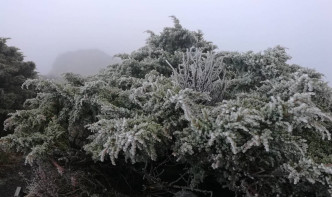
[[13, 72]]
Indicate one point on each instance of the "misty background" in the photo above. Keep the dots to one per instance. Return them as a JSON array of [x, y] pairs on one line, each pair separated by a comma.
[[46, 30]]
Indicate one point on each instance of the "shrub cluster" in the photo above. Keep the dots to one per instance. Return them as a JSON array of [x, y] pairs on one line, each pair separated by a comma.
[[13, 72], [246, 121]]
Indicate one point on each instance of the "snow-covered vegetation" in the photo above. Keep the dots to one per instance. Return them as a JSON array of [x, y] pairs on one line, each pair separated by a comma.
[[177, 114]]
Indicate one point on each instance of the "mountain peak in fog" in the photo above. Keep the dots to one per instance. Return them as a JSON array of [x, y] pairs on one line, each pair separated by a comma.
[[84, 62]]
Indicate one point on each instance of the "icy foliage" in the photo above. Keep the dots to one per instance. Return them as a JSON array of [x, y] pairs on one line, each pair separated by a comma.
[[13, 72], [203, 72], [268, 134]]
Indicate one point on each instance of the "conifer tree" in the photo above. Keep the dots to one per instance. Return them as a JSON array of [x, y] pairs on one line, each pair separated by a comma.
[[13, 72]]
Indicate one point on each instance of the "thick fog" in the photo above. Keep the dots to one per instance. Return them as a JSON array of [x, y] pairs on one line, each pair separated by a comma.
[[43, 29]]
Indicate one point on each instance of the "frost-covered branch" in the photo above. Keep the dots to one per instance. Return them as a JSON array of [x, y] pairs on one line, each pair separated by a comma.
[[203, 72]]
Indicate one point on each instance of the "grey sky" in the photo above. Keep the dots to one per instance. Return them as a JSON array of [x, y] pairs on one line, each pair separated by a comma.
[[44, 28]]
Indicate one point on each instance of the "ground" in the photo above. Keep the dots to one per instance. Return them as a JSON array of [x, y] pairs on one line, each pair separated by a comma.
[[13, 174]]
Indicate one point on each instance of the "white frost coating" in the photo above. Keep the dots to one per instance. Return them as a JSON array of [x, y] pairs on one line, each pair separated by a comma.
[[203, 72]]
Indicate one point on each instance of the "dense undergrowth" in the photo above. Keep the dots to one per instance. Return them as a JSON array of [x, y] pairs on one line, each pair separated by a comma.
[[178, 115]]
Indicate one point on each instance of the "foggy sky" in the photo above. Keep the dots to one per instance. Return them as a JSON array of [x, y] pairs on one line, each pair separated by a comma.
[[42, 29]]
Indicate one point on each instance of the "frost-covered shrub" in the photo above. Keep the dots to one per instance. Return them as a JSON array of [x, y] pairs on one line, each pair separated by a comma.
[[267, 133], [13, 72], [203, 72], [168, 45]]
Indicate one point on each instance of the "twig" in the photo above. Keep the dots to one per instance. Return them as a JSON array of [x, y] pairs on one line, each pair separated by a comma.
[[192, 189]]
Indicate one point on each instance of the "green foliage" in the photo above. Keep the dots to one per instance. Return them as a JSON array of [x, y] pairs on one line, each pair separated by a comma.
[[13, 72], [256, 125]]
